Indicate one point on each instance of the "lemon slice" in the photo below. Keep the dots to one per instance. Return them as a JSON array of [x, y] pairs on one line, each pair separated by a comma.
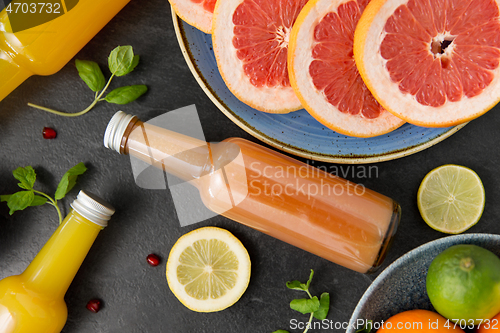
[[208, 269], [451, 198]]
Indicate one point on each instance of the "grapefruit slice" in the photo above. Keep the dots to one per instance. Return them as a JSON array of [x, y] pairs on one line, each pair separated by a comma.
[[434, 63], [250, 40], [197, 13], [323, 72]]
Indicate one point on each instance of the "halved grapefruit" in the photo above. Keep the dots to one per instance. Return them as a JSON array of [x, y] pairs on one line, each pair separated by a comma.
[[197, 13], [324, 75], [250, 41], [434, 63]]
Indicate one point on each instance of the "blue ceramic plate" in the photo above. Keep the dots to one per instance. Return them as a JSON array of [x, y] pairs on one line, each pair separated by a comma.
[[401, 286], [297, 133]]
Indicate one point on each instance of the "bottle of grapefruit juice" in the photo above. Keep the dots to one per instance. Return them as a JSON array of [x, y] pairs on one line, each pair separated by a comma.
[[268, 191]]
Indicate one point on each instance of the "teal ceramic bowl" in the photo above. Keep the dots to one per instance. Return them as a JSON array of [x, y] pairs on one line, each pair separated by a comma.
[[297, 133], [401, 286]]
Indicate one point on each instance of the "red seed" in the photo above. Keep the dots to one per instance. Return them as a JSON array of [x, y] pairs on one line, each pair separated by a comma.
[[153, 260], [94, 305], [49, 133]]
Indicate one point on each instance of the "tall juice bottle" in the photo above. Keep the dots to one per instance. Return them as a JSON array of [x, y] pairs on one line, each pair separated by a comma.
[[268, 191], [34, 300], [44, 49]]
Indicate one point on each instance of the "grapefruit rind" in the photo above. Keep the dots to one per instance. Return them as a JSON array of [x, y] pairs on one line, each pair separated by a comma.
[[313, 100], [232, 295], [368, 37], [266, 99], [193, 14]]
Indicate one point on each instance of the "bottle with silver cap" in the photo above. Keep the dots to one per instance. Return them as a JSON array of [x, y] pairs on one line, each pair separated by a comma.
[[34, 300], [285, 198]]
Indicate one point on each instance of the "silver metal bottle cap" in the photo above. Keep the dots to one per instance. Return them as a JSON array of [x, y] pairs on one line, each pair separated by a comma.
[[93, 208], [115, 130]]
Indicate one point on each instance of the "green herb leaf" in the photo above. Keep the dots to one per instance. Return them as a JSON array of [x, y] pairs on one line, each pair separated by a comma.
[[26, 176], [366, 328], [90, 72], [38, 201], [20, 200], [127, 94], [324, 306], [5, 198], [120, 60], [304, 305], [295, 285], [310, 279], [68, 180], [281, 331], [135, 62]]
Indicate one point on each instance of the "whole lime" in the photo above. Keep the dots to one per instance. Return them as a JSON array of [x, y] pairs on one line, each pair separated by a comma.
[[463, 283]]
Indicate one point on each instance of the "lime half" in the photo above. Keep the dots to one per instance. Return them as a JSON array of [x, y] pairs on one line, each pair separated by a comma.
[[451, 198]]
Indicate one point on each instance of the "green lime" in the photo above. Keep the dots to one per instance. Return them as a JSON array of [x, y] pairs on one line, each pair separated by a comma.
[[463, 283], [451, 198]]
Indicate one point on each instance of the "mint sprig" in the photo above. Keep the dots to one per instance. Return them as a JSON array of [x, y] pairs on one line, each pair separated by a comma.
[[31, 197], [121, 61], [318, 308]]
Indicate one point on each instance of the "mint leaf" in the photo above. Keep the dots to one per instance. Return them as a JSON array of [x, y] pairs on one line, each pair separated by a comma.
[[324, 306], [125, 95], [68, 180], [310, 279], [295, 285], [91, 74], [135, 62], [304, 305], [26, 176], [4, 198], [366, 328], [120, 60], [20, 200], [281, 331], [38, 201]]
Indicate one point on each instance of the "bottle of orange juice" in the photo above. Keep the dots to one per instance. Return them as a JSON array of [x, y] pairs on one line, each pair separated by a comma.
[[40, 37], [34, 300], [268, 191]]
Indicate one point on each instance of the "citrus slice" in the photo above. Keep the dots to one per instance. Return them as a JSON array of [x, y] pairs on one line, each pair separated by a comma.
[[323, 72], [432, 63], [451, 198], [250, 41], [197, 13], [208, 269]]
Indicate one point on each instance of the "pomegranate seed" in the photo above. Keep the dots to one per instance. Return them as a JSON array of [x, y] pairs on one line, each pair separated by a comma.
[[49, 133], [153, 259], [94, 305]]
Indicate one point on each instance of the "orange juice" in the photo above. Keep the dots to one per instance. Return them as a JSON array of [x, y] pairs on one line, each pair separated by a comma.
[[268, 191], [46, 48], [34, 300]]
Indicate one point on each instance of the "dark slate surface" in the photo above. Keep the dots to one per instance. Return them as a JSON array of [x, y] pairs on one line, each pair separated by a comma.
[[136, 296]]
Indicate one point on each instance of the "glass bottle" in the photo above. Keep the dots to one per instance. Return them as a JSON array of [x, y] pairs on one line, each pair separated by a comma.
[[44, 49], [34, 300], [268, 191]]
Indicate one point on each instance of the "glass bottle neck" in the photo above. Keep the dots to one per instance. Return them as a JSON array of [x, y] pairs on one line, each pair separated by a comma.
[[182, 156], [55, 266]]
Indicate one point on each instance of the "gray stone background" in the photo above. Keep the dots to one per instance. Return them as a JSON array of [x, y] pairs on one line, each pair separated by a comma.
[[136, 296]]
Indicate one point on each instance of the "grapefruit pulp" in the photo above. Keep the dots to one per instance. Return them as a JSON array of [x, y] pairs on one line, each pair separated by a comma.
[[433, 63], [250, 40], [323, 72]]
